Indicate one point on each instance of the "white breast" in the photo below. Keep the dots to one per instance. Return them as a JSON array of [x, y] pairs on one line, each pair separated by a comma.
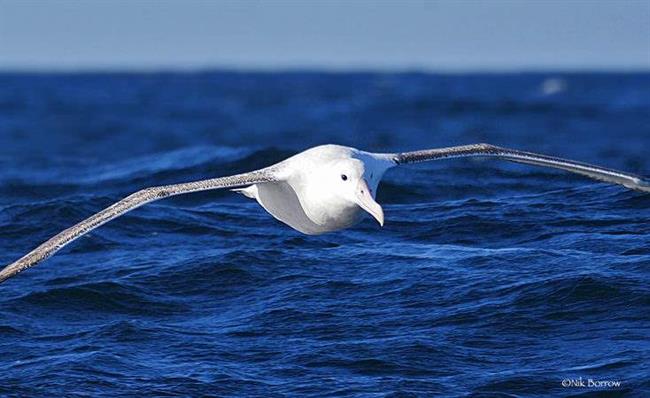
[[301, 214]]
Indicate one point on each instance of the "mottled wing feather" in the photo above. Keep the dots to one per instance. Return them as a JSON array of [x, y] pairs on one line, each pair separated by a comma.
[[125, 205], [628, 180]]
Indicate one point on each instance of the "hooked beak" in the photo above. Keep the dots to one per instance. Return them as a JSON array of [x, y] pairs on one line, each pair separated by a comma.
[[365, 200]]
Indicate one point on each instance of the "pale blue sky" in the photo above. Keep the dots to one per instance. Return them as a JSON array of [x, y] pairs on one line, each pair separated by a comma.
[[427, 35]]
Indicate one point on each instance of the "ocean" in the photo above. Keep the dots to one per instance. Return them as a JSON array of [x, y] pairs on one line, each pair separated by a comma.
[[488, 279]]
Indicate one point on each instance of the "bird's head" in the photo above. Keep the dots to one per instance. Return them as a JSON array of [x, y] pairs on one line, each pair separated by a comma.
[[355, 181], [336, 181]]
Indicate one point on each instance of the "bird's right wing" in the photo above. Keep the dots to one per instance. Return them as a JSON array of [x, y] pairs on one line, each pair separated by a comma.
[[127, 204], [628, 180]]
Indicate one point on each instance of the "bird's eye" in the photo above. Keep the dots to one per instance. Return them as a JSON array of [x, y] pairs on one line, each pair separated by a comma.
[[344, 177]]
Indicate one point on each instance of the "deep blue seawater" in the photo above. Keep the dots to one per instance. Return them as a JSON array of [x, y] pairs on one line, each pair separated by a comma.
[[488, 279]]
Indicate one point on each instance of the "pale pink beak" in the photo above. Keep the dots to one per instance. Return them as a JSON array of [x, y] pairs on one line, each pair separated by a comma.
[[365, 200]]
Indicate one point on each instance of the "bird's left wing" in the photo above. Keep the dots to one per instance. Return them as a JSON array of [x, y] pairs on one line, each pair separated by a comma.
[[628, 180], [127, 204]]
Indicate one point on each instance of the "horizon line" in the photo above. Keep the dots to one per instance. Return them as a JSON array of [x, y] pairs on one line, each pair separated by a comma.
[[322, 70]]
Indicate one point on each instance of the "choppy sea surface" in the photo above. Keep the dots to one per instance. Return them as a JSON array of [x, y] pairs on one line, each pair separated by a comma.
[[488, 279]]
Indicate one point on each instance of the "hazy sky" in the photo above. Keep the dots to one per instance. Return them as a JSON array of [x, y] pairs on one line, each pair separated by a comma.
[[431, 35]]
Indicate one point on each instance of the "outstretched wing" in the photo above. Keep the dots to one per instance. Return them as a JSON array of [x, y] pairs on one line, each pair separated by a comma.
[[486, 150], [125, 205]]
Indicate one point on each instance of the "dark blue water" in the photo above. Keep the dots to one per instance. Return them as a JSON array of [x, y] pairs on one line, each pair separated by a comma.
[[488, 278]]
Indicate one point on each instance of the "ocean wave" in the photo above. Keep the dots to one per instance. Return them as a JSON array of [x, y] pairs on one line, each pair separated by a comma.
[[160, 168], [487, 279], [103, 297]]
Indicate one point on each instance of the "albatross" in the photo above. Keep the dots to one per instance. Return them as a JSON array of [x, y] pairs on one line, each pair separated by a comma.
[[322, 189]]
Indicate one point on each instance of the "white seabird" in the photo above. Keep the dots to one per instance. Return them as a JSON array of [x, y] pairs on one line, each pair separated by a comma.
[[322, 189]]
